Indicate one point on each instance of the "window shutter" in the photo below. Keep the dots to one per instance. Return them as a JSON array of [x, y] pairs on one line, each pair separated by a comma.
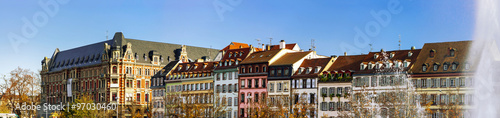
[[437, 98], [342, 92], [418, 83], [447, 82], [293, 83], [332, 91], [457, 82], [429, 82], [438, 82]]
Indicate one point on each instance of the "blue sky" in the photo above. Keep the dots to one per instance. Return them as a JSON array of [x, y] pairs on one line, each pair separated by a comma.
[[331, 23]]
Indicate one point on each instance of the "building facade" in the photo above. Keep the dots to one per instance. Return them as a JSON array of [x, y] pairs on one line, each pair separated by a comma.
[[334, 86], [158, 82], [443, 78], [226, 76], [304, 84], [111, 71]]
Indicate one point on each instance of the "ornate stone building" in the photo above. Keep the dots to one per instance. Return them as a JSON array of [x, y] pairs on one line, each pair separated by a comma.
[[113, 71]]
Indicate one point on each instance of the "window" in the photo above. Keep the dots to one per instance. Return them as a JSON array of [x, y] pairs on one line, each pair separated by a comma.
[[324, 106], [242, 83], [256, 83], [279, 72], [272, 72], [435, 67], [114, 96], [286, 71], [445, 67], [424, 83], [235, 87], [224, 88], [138, 97], [250, 70], [218, 89], [229, 101], [115, 70], [138, 84], [256, 69], [452, 52], [249, 83], [271, 87], [432, 53], [264, 69], [230, 87], [280, 86], [242, 98], [454, 66], [264, 83]]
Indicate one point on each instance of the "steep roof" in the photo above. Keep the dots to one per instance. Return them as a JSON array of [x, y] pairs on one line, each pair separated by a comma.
[[166, 69], [397, 55], [442, 56], [321, 62], [287, 46], [290, 58], [186, 69], [235, 45], [91, 54], [260, 57], [350, 62], [234, 55]]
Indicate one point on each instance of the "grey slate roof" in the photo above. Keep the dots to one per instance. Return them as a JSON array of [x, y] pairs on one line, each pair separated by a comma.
[[91, 54]]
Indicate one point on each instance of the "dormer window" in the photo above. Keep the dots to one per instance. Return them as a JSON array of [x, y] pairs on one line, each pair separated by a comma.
[[370, 66], [230, 54], [237, 62], [362, 66], [445, 66], [454, 66], [375, 56], [377, 66], [432, 53], [317, 69], [424, 67], [391, 55], [241, 53], [410, 54], [308, 70], [452, 52], [301, 69], [435, 67]]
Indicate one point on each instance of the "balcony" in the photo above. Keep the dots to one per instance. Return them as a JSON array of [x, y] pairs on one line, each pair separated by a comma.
[[329, 78]]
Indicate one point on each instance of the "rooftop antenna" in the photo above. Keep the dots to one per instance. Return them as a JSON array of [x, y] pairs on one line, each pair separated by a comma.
[[270, 40], [399, 42], [258, 40], [371, 47], [313, 48]]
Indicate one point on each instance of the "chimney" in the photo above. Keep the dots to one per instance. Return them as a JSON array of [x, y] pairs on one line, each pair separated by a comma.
[[412, 47], [263, 47], [268, 47], [345, 53], [334, 56], [251, 46], [282, 44]]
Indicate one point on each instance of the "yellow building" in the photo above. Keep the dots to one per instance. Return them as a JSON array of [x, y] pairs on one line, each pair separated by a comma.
[[442, 77]]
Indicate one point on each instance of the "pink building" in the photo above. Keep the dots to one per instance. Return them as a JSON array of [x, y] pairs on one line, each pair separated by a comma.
[[253, 79]]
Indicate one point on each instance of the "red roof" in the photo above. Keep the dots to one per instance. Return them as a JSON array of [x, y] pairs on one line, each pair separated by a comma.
[[235, 45]]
